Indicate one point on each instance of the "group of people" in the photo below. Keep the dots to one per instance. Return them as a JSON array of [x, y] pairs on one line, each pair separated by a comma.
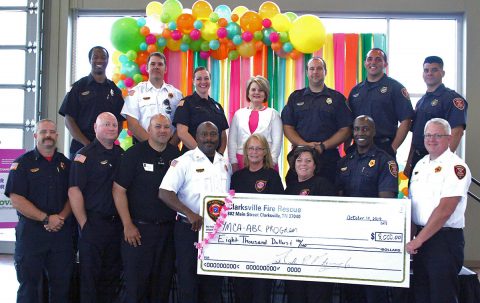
[[137, 211]]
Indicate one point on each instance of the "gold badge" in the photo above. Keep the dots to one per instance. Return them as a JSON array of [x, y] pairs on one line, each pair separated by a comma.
[[34, 170], [383, 90], [85, 93], [371, 163], [434, 102], [438, 169], [329, 101]]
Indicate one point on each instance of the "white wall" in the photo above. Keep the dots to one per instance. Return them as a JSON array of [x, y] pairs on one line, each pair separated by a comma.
[[56, 59]]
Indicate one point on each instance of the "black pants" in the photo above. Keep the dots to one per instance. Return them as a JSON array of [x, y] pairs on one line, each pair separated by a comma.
[[148, 268], [193, 288], [100, 260], [436, 267], [308, 292], [250, 290]]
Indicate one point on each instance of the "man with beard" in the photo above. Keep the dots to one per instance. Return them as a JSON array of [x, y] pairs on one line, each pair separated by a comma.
[[90, 96], [385, 100], [151, 97], [199, 171], [147, 250], [38, 187], [90, 193], [367, 171]]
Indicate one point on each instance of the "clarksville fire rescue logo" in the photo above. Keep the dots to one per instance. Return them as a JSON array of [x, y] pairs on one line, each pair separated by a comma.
[[214, 207]]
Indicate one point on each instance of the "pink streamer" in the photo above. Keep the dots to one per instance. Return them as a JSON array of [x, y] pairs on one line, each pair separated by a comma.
[[339, 61], [234, 103], [174, 61], [245, 76], [300, 72]]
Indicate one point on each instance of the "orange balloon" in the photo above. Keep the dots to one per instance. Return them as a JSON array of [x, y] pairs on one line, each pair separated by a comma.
[[234, 17], [123, 76], [220, 53], [231, 45], [402, 176], [166, 33], [124, 92], [276, 46], [116, 77], [251, 21], [268, 9], [145, 77], [294, 54], [144, 30], [222, 22], [152, 48], [405, 191], [258, 45], [142, 57], [201, 10], [185, 23]]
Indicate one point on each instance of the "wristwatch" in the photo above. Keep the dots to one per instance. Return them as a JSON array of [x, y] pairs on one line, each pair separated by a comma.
[[45, 220]]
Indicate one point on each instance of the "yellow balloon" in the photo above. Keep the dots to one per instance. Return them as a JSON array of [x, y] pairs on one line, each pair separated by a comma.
[[240, 10], [307, 34], [246, 49], [201, 10], [154, 8], [174, 45], [268, 9], [115, 57], [281, 23], [209, 30]]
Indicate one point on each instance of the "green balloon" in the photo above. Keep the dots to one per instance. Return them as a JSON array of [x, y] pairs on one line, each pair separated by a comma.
[[125, 35], [196, 45]]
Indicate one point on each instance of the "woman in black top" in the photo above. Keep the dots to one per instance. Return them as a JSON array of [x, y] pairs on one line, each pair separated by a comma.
[[306, 162], [257, 176]]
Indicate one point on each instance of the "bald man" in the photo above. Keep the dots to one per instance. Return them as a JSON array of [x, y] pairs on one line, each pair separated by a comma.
[[90, 193]]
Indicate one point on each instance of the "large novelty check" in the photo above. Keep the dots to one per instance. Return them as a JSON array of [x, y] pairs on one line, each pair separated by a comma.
[[330, 239]]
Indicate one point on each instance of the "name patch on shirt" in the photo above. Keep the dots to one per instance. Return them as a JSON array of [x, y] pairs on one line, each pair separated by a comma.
[[85, 93], [34, 170], [104, 162], [460, 171], [148, 167], [200, 170], [146, 98]]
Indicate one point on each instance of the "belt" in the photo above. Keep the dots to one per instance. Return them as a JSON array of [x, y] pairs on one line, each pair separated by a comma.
[[419, 227], [183, 219], [150, 222], [96, 215]]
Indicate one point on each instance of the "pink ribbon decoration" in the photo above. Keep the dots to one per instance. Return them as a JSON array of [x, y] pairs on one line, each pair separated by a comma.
[[218, 225]]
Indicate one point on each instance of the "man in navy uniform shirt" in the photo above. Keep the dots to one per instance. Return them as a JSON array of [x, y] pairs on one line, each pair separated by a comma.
[[90, 96], [438, 102], [317, 116], [90, 193], [38, 187], [367, 171], [147, 250], [385, 100]]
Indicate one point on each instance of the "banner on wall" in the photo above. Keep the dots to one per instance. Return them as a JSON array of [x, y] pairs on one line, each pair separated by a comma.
[[8, 215]]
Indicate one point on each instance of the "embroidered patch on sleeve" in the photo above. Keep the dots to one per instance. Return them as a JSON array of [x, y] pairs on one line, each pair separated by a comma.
[[459, 103], [393, 168], [460, 171]]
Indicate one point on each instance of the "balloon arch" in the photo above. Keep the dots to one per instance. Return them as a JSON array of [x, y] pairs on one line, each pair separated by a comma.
[[235, 45]]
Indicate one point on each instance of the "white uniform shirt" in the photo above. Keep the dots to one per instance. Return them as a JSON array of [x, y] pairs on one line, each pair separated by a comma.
[[192, 175], [446, 176], [144, 101], [269, 125]]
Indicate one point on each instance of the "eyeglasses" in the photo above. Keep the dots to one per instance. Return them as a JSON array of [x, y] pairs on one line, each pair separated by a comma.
[[255, 148], [434, 136], [168, 108]]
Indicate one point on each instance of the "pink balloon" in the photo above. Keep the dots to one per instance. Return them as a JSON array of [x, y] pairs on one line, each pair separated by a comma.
[[150, 39], [129, 82], [247, 36], [195, 34], [176, 35], [143, 69], [204, 55], [266, 23], [274, 37], [221, 32]]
